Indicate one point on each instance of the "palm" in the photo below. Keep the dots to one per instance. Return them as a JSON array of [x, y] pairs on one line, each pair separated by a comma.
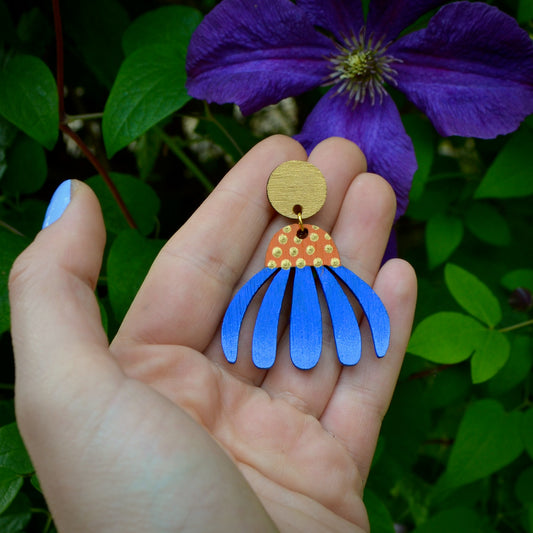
[[302, 437]]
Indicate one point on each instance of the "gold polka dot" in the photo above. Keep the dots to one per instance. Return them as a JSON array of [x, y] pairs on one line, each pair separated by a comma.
[[314, 237], [335, 262], [327, 236], [287, 229], [285, 264], [297, 240], [283, 239], [318, 262], [310, 250], [300, 263], [293, 251], [328, 248], [272, 264], [314, 227], [276, 252]]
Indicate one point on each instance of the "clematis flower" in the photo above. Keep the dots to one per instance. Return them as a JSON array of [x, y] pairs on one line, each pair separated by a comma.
[[470, 70]]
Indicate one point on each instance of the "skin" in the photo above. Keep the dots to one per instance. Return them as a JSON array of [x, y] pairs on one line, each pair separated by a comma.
[[157, 432]]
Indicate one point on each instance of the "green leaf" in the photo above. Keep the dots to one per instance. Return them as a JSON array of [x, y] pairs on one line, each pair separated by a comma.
[[13, 454], [516, 369], [27, 169], [34, 480], [11, 246], [486, 223], [443, 235], [522, 277], [445, 337], [10, 485], [423, 136], [509, 176], [17, 516], [169, 25], [458, 520], [487, 440], [140, 199], [472, 295], [490, 356], [129, 260], [378, 515], [149, 87], [28, 98], [524, 486], [527, 431]]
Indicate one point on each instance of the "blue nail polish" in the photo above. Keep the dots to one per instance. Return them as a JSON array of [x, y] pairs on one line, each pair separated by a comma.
[[58, 203]]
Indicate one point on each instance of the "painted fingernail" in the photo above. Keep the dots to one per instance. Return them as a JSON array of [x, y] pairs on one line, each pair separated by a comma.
[[58, 203]]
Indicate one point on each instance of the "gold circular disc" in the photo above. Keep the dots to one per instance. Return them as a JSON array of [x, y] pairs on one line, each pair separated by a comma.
[[296, 186]]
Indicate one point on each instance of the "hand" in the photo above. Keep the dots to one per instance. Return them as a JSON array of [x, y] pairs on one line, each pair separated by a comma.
[[157, 432]]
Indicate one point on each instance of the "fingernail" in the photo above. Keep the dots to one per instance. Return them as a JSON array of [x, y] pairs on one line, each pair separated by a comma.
[[58, 203]]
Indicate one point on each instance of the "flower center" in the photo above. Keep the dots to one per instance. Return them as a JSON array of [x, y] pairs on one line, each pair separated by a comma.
[[361, 68]]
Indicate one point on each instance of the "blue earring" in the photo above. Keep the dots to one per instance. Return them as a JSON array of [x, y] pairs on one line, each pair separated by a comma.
[[304, 258]]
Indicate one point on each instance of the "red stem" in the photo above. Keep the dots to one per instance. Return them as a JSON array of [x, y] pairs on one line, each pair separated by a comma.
[[428, 372], [63, 125], [101, 170]]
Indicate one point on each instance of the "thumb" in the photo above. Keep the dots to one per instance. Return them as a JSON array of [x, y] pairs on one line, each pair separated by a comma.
[[54, 313]]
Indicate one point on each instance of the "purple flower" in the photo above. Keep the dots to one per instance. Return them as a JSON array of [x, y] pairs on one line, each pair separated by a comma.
[[470, 70]]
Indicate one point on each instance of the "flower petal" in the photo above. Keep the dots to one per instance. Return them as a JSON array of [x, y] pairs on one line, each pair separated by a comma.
[[339, 17], [231, 325], [305, 334], [388, 19], [265, 339], [255, 54], [470, 70], [373, 308], [377, 129], [343, 319]]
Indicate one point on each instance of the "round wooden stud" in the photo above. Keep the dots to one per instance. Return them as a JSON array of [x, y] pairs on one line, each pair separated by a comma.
[[296, 186]]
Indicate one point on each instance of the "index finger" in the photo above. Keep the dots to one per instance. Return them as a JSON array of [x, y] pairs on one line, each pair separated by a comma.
[[185, 294]]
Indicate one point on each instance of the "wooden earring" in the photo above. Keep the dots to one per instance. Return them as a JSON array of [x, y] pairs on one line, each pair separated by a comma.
[[305, 258]]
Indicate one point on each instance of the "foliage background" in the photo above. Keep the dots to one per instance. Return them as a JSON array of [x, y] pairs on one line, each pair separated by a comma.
[[456, 447]]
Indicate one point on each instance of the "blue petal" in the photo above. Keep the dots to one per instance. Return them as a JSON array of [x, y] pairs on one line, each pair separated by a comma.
[[470, 70], [265, 339], [231, 325], [373, 308], [343, 319], [306, 321]]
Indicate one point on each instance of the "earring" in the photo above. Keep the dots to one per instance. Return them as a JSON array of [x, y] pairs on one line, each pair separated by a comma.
[[304, 257]]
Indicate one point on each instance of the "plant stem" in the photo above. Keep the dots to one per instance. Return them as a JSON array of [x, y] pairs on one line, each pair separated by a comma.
[[86, 116], [517, 326], [102, 171], [428, 372], [187, 161], [10, 228], [63, 118]]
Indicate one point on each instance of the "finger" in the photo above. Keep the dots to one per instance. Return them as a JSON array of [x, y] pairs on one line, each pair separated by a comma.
[[339, 161], [191, 282], [363, 393], [361, 234], [54, 312]]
